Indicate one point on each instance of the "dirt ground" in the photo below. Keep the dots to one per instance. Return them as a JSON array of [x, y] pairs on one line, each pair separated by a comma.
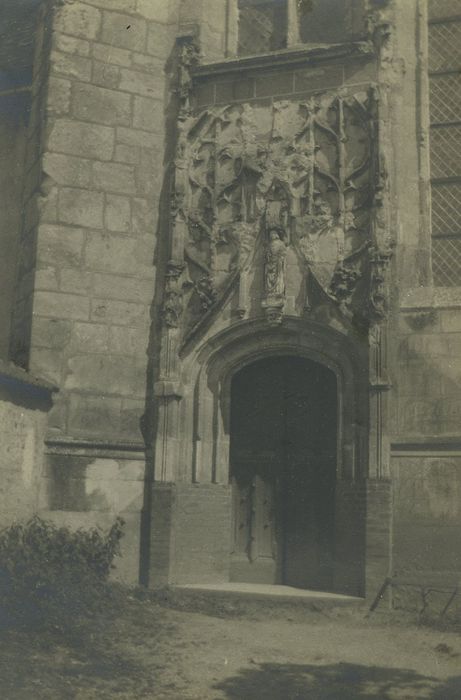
[[155, 652]]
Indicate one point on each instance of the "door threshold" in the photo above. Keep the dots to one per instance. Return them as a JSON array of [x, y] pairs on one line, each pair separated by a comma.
[[266, 591]]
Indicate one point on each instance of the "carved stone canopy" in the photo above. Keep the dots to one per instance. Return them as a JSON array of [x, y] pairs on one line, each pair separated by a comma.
[[269, 200]]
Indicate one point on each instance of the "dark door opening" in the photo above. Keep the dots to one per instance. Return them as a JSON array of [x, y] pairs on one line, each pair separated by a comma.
[[283, 472]]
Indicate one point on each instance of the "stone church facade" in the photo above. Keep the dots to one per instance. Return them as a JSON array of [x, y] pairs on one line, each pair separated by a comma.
[[232, 290]]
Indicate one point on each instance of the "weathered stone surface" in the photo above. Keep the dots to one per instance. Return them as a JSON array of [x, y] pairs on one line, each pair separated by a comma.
[[89, 338], [70, 44], [274, 84], [124, 31], [148, 114], [111, 375], [59, 91], [450, 320], [75, 280], [114, 177], [144, 216], [51, 333], [82, 139], [60, 305], [71, 66], [127, 154], [45, 362], [121, 312], [78, 19], [150, 9], [158, 41], [116, 253], [115, 5], [318, 78], [141, 83], [106, 53], [46, 278], [122, 288], [130, 417], [67, 170], [149, 173], [129, 341], [360, 72], [47, 206], [93, 415], [60, 245], [146, 63], [105, 75], [100, 105], [117, 216], [136, 137], [81, 207]]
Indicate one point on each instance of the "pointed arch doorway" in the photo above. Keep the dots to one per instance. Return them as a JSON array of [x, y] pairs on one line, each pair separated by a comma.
[[283, 461]]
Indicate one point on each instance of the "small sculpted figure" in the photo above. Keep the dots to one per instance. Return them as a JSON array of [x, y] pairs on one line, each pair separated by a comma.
[[275, 265]]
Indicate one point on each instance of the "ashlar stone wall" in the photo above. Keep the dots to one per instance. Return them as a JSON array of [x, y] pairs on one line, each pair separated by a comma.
[[102, 169], [94, 174]]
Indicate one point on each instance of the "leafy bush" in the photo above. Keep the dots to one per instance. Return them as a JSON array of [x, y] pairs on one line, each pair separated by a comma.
[[52, 575]]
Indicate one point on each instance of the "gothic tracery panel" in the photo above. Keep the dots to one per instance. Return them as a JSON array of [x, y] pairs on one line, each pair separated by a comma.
[[261, 187]]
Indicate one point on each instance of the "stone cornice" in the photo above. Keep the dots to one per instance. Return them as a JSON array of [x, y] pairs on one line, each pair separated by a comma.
[[15, 377], [107, 447], [426, 446], [287, 58]]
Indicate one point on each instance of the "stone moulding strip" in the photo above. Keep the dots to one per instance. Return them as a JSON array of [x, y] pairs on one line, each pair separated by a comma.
[[88, 448], [18, 381], [286, 58], [430, 297], [427, 447]]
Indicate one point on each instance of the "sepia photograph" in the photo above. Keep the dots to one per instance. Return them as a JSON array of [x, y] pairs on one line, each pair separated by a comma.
[[230, 349]]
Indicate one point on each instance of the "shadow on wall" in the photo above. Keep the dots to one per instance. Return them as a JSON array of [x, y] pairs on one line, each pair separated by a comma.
[[336, 682]]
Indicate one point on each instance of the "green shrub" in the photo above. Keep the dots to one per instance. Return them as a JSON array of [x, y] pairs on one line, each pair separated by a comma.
[[52, 575]]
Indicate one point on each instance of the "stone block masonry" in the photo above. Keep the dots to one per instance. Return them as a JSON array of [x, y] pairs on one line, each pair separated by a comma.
[[99, 162]]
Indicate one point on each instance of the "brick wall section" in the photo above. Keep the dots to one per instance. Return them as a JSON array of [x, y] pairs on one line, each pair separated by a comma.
[[102, 168], [190, 534], [379, 535], [161, 534], [202, 533], [350, 517], [363, 536]]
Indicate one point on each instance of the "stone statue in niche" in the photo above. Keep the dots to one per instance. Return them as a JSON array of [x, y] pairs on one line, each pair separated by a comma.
[[274, 274], [275, 265]]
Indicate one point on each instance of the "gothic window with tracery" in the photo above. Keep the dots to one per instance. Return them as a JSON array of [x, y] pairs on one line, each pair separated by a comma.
[[445, 139]]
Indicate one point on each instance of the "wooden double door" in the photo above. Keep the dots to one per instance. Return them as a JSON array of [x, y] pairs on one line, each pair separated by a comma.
[[283, 471]]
